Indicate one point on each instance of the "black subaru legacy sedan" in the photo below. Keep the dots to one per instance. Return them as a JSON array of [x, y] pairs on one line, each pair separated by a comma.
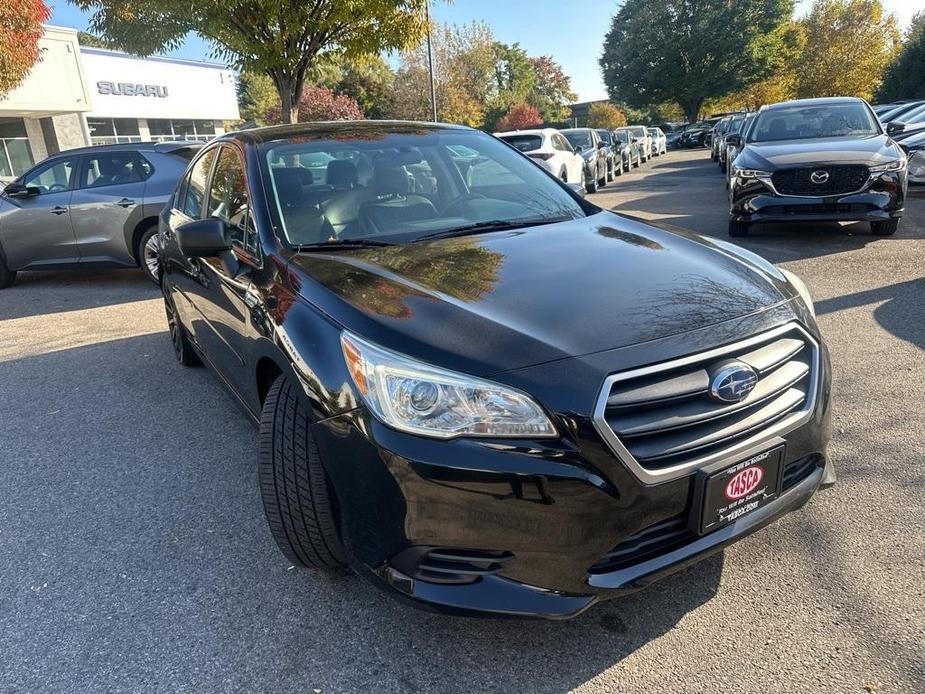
[[472, 386], [817, 160]]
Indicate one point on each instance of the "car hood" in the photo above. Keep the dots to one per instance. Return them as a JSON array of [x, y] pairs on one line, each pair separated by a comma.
[[503, 300], [873, 150]]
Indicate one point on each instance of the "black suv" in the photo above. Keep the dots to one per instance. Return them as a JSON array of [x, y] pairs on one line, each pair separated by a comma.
[[472, 386], [817, 160]]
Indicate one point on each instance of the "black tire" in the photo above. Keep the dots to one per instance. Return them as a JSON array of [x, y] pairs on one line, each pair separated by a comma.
[[183, 349], [563, 176], [738, 229], [590, 184], [887, 228], [298, 501], [7, 276], [142, 253], [619, 171], [722, 165]]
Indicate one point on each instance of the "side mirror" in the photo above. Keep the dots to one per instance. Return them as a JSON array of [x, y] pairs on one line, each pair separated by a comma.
[[601, 144], [18, 190], [894, 127], [577, 188], [208, 238], [733, 140]]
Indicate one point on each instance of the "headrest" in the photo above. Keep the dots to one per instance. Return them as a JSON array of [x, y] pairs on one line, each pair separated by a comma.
[[341, 173], [288, 186], [391, 180]]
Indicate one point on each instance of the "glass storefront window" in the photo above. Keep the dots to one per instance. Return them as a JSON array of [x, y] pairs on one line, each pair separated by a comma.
[[109, 131], [163, 129], [15, 152]]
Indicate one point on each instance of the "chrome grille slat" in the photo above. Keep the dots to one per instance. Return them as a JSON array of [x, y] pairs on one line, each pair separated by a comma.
[[659, 439], [702, 410]]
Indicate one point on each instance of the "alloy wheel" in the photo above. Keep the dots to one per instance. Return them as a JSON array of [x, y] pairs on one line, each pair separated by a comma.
[[150, 257]]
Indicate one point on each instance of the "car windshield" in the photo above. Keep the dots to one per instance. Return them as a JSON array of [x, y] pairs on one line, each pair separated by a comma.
[[377, 185], [605, 136], [623, 136], [852, 119], [638, 131], [525, 143], [578, 138]]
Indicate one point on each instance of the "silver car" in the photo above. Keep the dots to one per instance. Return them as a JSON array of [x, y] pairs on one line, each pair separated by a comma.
[[90, 207]]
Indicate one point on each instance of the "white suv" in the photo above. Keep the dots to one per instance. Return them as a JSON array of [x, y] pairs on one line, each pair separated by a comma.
[[548, 148]]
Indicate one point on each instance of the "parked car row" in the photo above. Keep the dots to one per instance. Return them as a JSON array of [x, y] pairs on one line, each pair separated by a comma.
[[592, 157], [809, 160]]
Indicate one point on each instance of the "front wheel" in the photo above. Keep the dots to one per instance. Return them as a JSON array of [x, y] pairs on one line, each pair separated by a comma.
[[182, 347], [590, 184], [887, 228], [298, 500], [738, 229], [7, 276], [147, 253]]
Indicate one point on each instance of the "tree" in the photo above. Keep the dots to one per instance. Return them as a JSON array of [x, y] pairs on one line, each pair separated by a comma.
[[553, 91], [319, 103], [700, 49], [905, 76], [605, 115], [848, 44], [464, 72], [85, 38], [20, 30], [520, 117], [279, 38], [256, 96]]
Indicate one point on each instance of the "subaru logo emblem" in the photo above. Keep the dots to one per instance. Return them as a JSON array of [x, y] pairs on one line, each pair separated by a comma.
[[732, 382], [819, 177]]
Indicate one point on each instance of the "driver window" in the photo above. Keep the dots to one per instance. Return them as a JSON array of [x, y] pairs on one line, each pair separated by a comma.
[[228, 199], [53, 178]]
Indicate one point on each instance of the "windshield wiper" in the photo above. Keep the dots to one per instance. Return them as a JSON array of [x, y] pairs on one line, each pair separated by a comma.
[[490, 225], [341, 244]]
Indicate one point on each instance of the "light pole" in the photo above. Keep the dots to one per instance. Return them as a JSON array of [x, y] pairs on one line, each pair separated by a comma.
[[430, 63]]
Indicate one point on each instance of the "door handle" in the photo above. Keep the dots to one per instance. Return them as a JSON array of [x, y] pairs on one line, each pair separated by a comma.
[[58, 210], [125, 202]]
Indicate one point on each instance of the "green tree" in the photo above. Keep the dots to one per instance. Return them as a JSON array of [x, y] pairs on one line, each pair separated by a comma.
[[280, 38], [256, 96], [848, 45], [690, 50], [20, 30], [605, 115], [367, 78], [553, 91], [905, 76], [85, 38]]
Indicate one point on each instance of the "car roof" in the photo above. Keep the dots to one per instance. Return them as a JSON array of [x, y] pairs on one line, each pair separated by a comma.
[[342, 129], [528, 131], [151, 146], [576, 130], [822, 101]]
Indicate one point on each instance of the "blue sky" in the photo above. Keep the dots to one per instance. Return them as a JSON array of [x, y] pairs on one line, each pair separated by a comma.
[[573, 35]]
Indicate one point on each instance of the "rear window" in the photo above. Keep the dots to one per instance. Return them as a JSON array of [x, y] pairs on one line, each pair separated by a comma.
[[525, 143]]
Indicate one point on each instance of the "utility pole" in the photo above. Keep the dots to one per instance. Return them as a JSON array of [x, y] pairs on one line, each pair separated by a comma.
[[430, 63]]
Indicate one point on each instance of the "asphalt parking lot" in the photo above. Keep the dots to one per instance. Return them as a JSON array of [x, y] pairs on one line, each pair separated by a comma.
[[134, 554]]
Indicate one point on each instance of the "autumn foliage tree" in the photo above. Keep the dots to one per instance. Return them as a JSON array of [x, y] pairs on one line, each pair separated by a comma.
[[20, 30], [320, 103], [605, 115], [520, 117]]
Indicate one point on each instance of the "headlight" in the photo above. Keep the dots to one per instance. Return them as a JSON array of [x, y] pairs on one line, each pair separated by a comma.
[[429, 401], [801, 289], [897, 165], [752, 173]]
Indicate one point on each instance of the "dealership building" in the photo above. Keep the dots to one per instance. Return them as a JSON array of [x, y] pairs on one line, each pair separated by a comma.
[[77, 96]]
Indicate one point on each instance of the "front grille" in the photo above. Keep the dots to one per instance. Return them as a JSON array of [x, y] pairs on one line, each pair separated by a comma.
[[822, 208], [842, 179], [666, 417], [649, 542]]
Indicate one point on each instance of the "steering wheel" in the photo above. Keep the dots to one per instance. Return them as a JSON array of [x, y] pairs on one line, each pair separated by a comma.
[[56, 188], [459, 200]]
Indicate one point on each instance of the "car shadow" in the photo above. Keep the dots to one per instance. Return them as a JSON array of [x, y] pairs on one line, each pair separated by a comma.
[[135, 550], [52, 291]]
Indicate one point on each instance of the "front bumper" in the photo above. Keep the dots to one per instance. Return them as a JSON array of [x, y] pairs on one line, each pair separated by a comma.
[[548, 510], [756, 201]]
